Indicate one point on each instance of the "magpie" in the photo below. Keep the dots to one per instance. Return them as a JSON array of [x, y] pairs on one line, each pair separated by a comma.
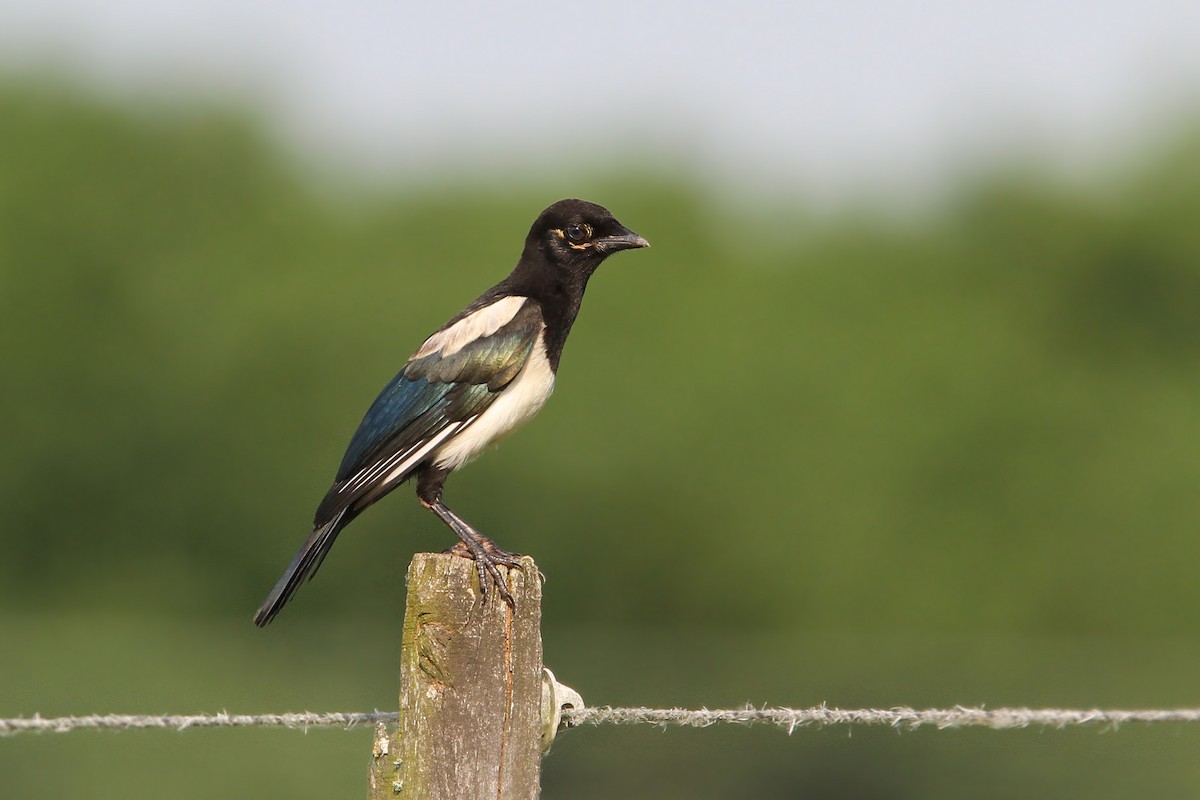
[[478, 377]]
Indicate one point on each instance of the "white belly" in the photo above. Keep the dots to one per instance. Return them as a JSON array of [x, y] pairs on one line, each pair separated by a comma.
[[517, 404]]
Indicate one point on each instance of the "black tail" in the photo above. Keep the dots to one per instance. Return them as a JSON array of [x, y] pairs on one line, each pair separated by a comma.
[[302, 568]]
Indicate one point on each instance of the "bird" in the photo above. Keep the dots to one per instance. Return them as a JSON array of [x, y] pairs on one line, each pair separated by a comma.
[[477, 378]]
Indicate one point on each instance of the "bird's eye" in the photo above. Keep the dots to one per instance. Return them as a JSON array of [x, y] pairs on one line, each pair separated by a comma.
[[577, 233]]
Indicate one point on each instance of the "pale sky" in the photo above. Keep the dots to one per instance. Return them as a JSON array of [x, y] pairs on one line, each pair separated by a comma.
[[831, 97]]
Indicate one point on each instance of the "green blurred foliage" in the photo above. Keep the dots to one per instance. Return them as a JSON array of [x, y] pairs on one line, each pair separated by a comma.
[[792, 458]]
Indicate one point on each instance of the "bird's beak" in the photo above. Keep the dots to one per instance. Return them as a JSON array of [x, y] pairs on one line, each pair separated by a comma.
[[626, 240]]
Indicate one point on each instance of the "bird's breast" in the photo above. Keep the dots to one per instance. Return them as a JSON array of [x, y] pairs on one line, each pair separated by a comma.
[[515, 406]]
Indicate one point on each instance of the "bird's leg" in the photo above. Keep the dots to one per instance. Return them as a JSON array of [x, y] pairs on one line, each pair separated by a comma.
[[473, 544]]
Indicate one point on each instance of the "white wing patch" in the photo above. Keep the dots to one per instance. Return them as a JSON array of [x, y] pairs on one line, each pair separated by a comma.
[[398, 465], [400, 471], [483, 322], [518, 402]]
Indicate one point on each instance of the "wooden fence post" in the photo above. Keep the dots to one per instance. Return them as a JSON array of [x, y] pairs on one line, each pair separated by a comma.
[[470, 689]]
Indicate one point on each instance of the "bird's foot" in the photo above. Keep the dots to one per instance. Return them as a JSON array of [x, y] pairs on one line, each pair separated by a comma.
[[459, 549], [488, 556]]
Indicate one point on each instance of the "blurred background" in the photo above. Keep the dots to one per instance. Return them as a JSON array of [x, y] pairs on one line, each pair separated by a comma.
[[900, 409]]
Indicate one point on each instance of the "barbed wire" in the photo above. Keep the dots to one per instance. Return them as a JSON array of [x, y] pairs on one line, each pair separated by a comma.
[[899, 717], [787, 718], [181, 722]]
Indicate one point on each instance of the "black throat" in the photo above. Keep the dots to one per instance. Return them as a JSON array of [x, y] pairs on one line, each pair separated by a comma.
[[557, 288]]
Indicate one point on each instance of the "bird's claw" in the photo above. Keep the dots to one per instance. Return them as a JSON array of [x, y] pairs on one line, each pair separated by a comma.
[[487, 557]]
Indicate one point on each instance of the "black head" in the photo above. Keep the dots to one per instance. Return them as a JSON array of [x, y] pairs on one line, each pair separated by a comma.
[[577, 235], [565, 245]]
